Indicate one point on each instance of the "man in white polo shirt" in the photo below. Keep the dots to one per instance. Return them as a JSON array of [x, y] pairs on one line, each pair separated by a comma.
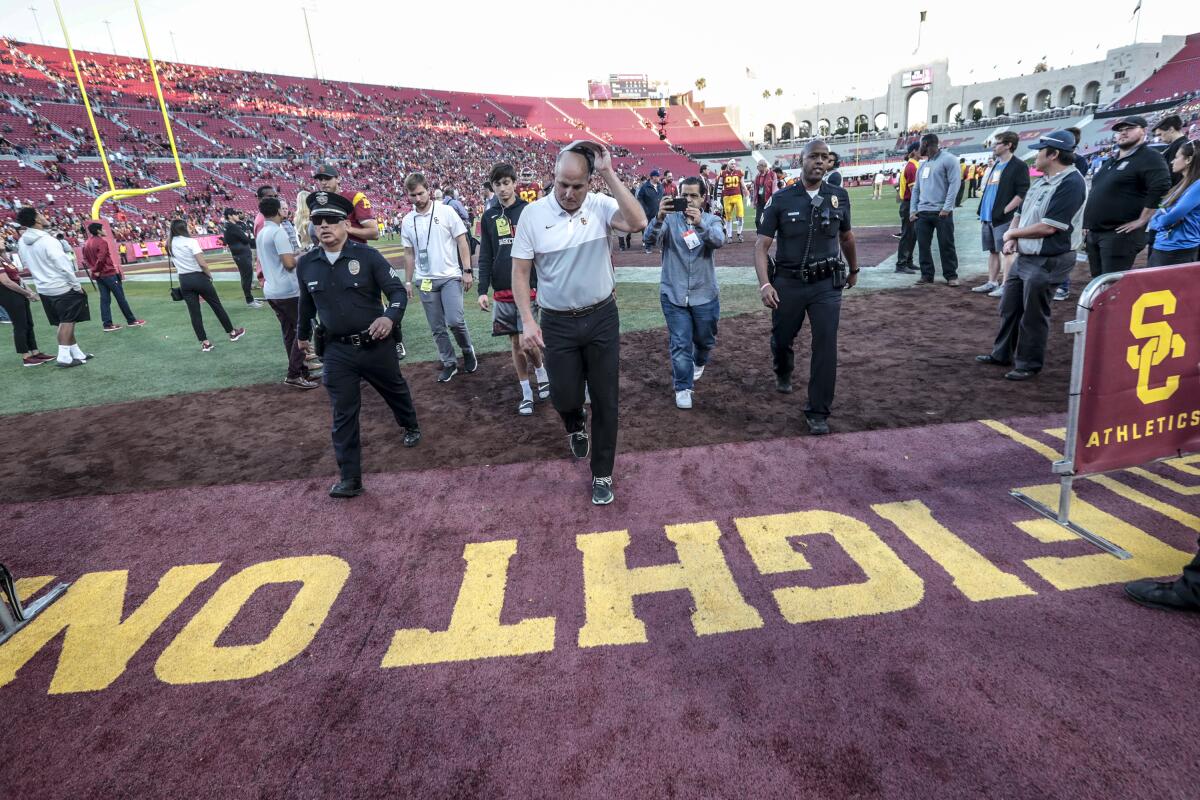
[[566, 236], [435, 243]]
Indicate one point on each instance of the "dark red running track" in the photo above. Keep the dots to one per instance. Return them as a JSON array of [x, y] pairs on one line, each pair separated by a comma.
[[1048, 694]]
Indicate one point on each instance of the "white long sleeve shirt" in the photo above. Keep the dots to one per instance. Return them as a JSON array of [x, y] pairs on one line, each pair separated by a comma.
[[43, 256]]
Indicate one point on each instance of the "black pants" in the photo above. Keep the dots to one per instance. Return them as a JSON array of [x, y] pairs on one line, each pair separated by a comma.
[[288, 312], [1025, 309], [1166, 258], [822, 304], [245, 265], [587, 350], [196, 285], [927, 223], [346, 366], [908, 237], [959, 196], [1109, 251], [17, 306], [110, 287]]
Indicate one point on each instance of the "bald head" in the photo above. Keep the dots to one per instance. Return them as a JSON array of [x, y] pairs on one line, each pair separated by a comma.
[[816, 160], [572, 175]]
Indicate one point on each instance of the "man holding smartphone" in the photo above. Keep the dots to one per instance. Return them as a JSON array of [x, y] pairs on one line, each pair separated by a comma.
[[566, 235], [688, 290]]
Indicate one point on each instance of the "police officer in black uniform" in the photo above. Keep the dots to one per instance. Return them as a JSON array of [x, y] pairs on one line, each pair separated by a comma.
[[811, 219], [340, 283]]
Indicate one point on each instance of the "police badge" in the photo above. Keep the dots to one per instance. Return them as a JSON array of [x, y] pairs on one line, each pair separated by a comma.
[[322, 199], [353, 266], [833, 201]]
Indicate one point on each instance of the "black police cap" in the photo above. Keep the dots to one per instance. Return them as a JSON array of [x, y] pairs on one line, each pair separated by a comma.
[[330, 203]]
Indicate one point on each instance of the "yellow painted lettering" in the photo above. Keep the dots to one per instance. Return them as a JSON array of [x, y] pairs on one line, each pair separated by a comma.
[[194, 657], [475, 630], [98, 644], [1093, 440], [610, 585], [890, 584], [974, 576]]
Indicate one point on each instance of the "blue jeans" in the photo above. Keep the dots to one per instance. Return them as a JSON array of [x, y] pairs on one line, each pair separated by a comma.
[[693, 331], [110, 287]]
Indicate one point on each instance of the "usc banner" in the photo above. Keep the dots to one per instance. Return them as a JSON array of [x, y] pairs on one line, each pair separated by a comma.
[[1140, 396]]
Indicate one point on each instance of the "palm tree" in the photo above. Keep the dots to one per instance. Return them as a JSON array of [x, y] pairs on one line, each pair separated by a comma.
[[701, 83], [766, 93], [779, 92]]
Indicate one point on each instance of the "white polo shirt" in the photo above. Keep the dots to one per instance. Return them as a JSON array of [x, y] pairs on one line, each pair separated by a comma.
[[432, 238], [571, 252]]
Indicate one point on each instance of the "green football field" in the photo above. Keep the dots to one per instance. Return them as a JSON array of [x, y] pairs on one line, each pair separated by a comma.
[[164, 358]]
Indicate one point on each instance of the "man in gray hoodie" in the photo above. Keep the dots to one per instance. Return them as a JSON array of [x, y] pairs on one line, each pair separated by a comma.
[[54, 274], [932, 209]]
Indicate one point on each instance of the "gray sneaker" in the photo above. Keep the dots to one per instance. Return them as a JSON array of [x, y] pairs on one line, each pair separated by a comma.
[[987, 287], [997, 292], [1062, 293], [448, 372]]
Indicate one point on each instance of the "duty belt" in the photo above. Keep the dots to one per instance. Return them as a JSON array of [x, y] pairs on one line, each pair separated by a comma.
[[360, 339], [816, 271], [580, 312]]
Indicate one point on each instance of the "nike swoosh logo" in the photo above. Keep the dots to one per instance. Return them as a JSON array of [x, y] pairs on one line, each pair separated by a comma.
[[549, 226]]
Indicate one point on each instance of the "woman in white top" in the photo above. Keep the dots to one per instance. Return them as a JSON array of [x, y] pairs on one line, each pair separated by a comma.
[[301, 222], [195, 280]]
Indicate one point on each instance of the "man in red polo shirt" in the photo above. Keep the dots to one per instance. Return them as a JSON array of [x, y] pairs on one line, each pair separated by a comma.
[[107, 275], [764, 187], [362, 220]]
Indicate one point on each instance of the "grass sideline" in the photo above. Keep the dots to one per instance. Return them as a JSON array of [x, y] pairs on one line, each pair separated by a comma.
[[164, 358]]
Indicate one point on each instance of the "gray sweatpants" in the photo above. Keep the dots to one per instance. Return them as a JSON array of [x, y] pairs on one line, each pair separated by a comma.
[[444, 310]]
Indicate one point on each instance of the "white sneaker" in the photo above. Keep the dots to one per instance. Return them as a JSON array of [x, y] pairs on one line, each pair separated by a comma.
[[683, 398], [987, 287], [697, 372], [997, 292]]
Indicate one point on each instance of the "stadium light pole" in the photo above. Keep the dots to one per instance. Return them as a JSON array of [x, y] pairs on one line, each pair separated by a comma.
[[175, 47], [37, 22], [112, 43], [312, 51]]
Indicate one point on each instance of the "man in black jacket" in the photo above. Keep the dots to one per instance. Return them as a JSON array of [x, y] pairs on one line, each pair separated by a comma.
[[238, 240], [1004, 188], [497, 230], [1125, 194]]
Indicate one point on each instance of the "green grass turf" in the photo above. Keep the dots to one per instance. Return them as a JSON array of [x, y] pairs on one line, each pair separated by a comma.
[[864, 212], [164, 358]]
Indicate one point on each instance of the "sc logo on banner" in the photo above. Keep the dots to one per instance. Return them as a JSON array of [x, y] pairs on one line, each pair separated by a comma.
[[1161, 342]]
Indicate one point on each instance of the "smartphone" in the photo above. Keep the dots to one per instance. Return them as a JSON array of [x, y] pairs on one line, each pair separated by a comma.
[[679, 204]]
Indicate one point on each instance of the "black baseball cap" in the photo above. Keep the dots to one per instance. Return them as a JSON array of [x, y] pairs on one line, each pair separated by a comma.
[[1131, 122], [1058, 140], [912, 147], [326, 171], [328, 203]]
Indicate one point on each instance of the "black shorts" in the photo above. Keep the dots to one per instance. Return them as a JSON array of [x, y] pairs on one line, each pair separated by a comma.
[[69, 307]]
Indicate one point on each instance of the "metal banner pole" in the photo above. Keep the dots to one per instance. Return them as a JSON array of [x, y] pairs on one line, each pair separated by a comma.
[[1065, 467], [13, 615]]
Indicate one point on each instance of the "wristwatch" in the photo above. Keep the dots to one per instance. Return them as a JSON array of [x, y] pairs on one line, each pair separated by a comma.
[[855, 271]]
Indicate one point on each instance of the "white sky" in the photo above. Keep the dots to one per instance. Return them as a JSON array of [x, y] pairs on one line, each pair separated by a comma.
[[540, 48]]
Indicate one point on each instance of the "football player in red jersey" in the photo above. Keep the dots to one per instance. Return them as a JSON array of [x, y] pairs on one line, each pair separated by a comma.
[[362, 219], [732, 183], [528, 189]]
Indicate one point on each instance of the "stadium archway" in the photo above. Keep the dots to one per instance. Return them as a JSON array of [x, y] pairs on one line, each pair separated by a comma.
[[843, 126], [1091, 92], [862, 124], [823, 127], [953, 111], [1042, 102], [805, 129], [996, 108], [769, 134], [918, 110], [1020, 103], [881, 121], [786, 132], [1067, 96], [975, 110]]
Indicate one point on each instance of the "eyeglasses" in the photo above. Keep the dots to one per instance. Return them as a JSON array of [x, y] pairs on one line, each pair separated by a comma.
[[325, 219]]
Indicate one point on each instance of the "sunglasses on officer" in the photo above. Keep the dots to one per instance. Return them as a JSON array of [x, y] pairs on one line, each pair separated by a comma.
[[326, 219]]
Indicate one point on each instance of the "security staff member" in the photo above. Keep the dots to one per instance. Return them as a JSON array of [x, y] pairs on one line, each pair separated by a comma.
[[811, 220], [239, 243], [340, 282]]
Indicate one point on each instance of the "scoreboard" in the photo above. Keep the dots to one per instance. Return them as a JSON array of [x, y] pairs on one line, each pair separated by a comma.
[[916, 77], [629, 87]]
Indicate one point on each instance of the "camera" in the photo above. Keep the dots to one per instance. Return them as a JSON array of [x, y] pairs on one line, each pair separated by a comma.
[[679, 204]]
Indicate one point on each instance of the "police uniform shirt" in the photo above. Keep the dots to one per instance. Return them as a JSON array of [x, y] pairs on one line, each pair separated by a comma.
[[432, 237], [786, 219], [345, 294], [1123, 187]]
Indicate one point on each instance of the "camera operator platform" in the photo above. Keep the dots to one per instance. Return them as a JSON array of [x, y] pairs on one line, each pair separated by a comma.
[[340, 283], [811, 220]]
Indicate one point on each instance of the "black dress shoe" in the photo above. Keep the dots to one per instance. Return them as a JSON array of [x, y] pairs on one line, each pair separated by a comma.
[[783, 385], [817, 426], [987, 358], [1156, 594], [347, 487], [1020, 374], [412, 437]]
